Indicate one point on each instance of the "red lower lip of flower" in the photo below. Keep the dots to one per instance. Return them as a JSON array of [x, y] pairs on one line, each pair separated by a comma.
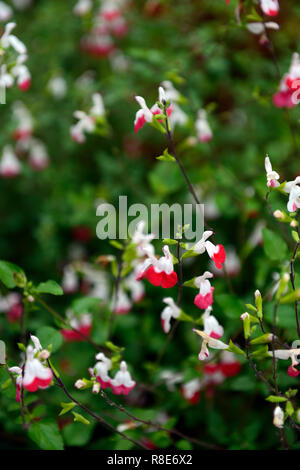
[[122, 390], [293, 372], [71, 335], [38, 383], [215, 335], [204, 301], [230, 369], [102, 383], [25, 85], [161, 279]]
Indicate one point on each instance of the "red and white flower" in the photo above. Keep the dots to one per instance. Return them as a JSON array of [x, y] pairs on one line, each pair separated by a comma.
[[216, 253], [87, 121], [288, 354], [169, 312], [270, 7], [200, 246], [17, 372], [143, 115], [159, 272], [10, 166], [191, 391], [122, 304], [10, 40], [122, 383], [208, 341], [293, 189], [229, 365], [272, 176], [82, 7], [100, 370], [36, 373], [203, 129], [288, 85], [82, 323], [205, 297], [211, 325], [38, 155], [24, 121]]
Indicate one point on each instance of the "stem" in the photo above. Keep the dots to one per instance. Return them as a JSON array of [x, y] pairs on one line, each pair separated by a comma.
[[98, 418], [117, 287], [59, 317], [156, 426], [292, 277]]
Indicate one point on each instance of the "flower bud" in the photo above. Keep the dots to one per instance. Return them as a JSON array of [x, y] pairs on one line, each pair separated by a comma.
[[30, 298], [278, 419], [44, 354], [79, 384], [278, 215], [96, 387], [258, 303], [246, 324]]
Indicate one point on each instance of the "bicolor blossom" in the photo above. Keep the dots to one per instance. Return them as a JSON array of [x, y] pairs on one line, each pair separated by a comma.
[[289, 84], [121, 304], [211, 325], [122, 383], [216, 253], [270, 7], [169, 312], [205, 297], [100, 370], [191, 391], [208, 341], [82, 323], [144, 114], [200, 246], [10, 166], [293, 189], [87, 121], [142, 240], [288, 354], [272, 176], [38, 155], [12, 306], [24, 121], [159, 272], [203, 129]]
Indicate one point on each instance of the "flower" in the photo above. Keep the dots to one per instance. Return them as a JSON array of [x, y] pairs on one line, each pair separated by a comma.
[[10, 40], [100, 370], [82, 7], [229, 366], [270, 7], [143, 115], [278, 419], [12, 306], [191, 391], [233, 264], [25, 122], [211, 325], [22, 74], [288, 85], [216, 253], [122, 303], [122, 383], [87, 121], [36, 374], [38, 155], [143, 241], [286, 354], [159, 272], [57, 86], [82, 323], [293, 189], [70, 281], [9, 164], [203, 130], [136, 288], [259, 27], [17, 371], [169, 312], [5, 12], [205, 297], [200, 246], [272, 176], [208, 341]]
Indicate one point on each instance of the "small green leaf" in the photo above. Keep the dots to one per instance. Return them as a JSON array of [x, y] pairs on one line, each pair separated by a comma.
[[295, 236], [189, 254], [66, 407], [291, 297], [276, 399], [235, 349], [79, 418], [251, 307], [190, 283], [289, 408], [21, 347], [266, 338], [116, 244], [169, 241], [49, 287]]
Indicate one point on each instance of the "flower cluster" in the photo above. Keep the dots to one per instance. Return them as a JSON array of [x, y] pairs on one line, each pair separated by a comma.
[[14, 56], [287, 95]]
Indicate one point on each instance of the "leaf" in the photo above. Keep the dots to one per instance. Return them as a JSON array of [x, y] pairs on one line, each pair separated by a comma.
[[190, 283], [81, 419], [291, 297], [276, 399], [11, 275], [166, 157], [169, 241], [49, 287], [49, 336], [66, 407], [116, 244], [235, 349], [289, 408], [189, 254], [46, 436], [275, 248]]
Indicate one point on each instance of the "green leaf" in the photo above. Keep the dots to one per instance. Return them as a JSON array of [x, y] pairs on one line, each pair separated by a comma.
[[251, 307], [46, 435], [291, 297], [116, 244], [266, 338], [189, 254], [11, 275], [190, 283], [276, 399], [81, 419], [166, 157], [66, 407], [235, 349], [289, 408], [275, 248], [49, 287], [49, 336], [169, 241], [184, 317]]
